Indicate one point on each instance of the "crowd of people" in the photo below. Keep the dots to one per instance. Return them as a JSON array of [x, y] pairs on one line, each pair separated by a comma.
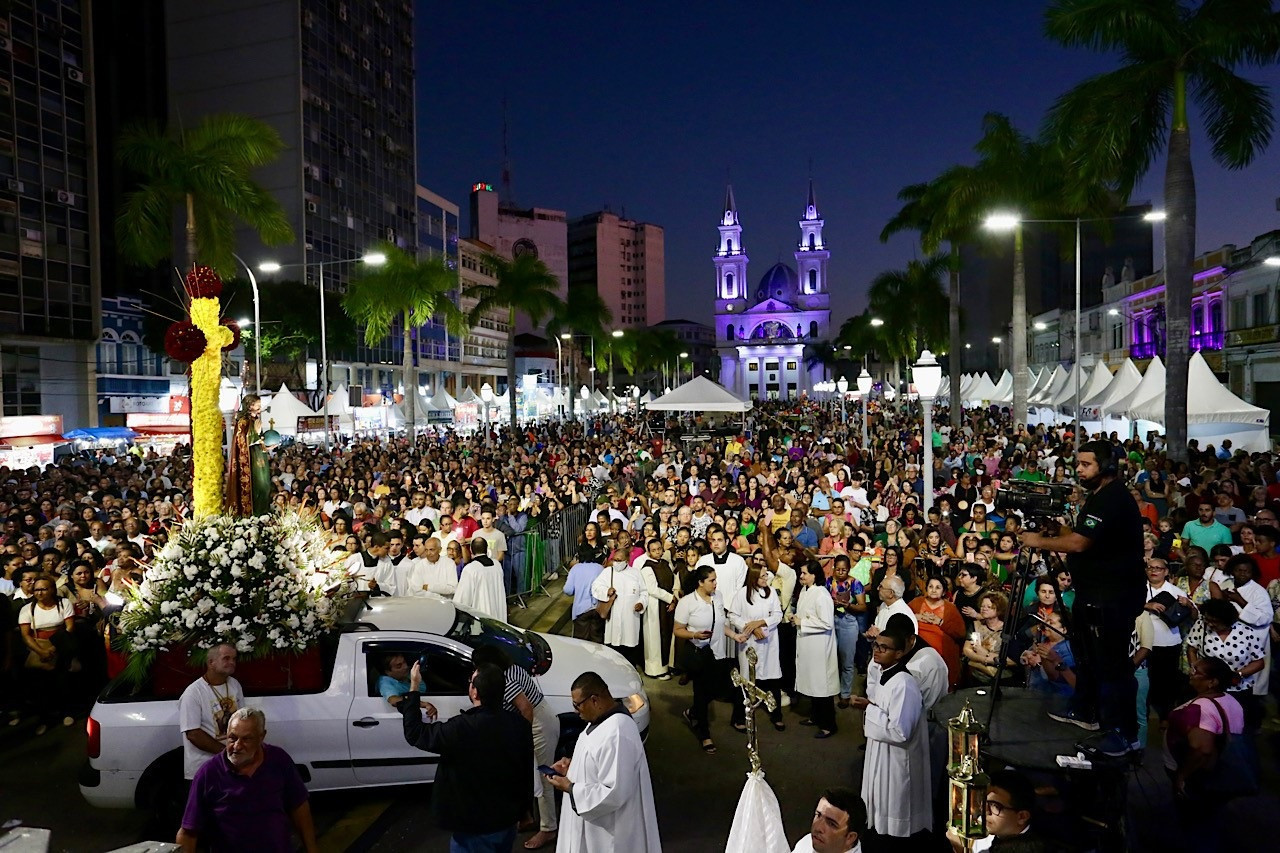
[[863, 602]]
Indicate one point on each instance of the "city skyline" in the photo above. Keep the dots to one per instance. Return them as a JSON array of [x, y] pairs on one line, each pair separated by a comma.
[[657, 122]]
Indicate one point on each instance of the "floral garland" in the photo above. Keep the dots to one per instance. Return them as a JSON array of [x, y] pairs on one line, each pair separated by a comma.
[[265, 584]]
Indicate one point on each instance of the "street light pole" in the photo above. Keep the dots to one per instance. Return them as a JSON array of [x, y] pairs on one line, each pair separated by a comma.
[[842, 385], [257, 327], [1075, 432], [864, 390], [928, 376], [559, 380]]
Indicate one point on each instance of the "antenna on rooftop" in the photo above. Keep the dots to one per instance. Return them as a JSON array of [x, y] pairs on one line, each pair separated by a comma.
[[507, 196]]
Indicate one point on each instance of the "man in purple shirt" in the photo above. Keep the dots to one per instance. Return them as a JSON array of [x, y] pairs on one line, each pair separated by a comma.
[[246, 797]]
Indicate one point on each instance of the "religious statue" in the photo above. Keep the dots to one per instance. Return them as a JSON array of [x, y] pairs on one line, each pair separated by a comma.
[[1108, 277], [249, 473], [1127, 272]]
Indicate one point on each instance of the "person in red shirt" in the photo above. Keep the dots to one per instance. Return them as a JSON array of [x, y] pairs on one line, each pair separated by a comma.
[[1268, 560]]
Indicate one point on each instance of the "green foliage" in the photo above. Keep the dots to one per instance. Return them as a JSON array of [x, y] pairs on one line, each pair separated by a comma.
[[912, 302], [404, 288], [206, 173]]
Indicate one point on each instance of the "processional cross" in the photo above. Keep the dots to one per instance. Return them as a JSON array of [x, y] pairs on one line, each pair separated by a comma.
[[753, 696]]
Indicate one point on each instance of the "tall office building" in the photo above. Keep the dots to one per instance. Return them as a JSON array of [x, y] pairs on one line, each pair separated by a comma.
[[49, 275], [624, 262], [336, 80], [513, 231]]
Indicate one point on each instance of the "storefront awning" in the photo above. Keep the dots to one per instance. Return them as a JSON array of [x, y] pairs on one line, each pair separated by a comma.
[[162, 429], [32, 440], [100, 434]]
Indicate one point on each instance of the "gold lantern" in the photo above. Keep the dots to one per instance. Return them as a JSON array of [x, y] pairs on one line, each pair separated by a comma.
[[964, 738], [967, 801]]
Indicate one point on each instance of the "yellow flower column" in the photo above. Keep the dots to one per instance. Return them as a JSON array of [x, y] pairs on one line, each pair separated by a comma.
[[206, 417]]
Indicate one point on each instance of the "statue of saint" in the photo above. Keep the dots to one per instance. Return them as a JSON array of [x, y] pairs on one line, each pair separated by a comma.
[[249, 473]]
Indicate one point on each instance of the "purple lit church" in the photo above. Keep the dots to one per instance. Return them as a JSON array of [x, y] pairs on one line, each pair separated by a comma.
[[762, 331]]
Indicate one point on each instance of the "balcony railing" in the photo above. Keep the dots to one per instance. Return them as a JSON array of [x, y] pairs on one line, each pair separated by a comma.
[[1207, 340], [1198, 341]]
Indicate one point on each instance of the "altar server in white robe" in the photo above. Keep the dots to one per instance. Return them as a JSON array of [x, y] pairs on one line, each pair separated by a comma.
[[660, 583], [895, 779], [623, 585], [608, 797], [731, 569], [817, 673], [481, 587], [753, 615]]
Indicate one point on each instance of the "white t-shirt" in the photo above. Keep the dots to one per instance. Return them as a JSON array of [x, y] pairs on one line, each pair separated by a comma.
[[42, 620], [495, 539], [206, 707]]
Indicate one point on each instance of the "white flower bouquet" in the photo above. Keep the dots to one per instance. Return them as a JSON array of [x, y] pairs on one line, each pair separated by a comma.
[[265, 584]]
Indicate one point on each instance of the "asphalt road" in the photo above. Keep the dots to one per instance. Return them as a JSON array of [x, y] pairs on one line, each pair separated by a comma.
[[695, 794]]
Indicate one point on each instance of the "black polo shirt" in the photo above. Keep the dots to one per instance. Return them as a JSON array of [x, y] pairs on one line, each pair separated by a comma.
[[1110, 570]]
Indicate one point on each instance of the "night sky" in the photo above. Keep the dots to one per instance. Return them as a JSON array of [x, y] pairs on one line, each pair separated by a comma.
[[648, 107]]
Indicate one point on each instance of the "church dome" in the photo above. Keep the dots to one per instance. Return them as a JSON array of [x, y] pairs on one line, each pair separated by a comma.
[[779, 282]]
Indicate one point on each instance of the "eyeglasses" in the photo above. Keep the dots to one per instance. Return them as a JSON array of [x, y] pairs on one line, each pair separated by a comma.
[[997, 808], [881, 647], [585, 700]]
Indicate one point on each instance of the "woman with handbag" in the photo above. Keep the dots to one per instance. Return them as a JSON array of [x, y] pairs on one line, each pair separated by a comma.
[[1206, 753], [1219, 633], [46, 625], [700, 621]]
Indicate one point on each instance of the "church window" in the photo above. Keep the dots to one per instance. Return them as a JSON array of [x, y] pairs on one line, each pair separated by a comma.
[[729, 243], [813, 241], [728, 332], [791, 365], [813, 328], [813, 281], [753, 366], [728, 285]]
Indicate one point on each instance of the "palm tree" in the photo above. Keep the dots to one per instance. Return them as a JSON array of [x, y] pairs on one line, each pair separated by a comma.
[[207, 173], [409, 292], [929, 209], [653, 349], [582, 313], [913, 306], [1116, 124], [523, 286]]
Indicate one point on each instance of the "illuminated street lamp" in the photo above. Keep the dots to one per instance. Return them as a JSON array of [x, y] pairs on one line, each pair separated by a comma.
[[927, 374], [842, 385], [864, 391]]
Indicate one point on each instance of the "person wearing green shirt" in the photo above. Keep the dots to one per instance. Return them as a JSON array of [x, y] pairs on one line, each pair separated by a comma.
[[1205, 530], [1031, 472]]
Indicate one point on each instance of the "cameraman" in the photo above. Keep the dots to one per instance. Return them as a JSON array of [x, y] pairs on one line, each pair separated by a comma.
[[1104, 555]]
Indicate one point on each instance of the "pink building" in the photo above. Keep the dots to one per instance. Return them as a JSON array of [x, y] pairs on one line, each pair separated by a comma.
[[624, 261]]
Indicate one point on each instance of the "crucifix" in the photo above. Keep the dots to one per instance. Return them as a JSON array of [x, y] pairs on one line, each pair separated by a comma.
[[753, 697]]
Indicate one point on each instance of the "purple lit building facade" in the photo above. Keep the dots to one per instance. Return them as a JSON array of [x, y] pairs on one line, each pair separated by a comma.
[[761, 332]]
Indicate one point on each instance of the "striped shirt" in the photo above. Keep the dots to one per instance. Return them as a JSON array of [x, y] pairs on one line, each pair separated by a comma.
[[517, 681]]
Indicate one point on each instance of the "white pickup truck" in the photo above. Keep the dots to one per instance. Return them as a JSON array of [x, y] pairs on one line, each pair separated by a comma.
[[348, 736]]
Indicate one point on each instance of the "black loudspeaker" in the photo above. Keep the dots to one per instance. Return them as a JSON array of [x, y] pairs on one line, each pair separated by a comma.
[[355, 396]]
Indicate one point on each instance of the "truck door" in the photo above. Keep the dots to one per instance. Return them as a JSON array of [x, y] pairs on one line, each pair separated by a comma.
[[375, 730]]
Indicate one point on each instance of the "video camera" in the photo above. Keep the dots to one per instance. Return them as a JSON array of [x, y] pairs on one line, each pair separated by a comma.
[[1037, 503]]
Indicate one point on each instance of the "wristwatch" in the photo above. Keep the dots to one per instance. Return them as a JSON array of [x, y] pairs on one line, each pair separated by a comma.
[[1060, 666]]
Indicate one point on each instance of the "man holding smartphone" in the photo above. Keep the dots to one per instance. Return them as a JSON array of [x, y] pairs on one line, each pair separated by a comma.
[[482, 783]]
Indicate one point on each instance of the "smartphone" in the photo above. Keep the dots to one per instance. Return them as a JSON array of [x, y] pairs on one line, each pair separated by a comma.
[[546, 770]]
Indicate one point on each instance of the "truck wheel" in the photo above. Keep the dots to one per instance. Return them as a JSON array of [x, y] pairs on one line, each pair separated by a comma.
[[162, 792]]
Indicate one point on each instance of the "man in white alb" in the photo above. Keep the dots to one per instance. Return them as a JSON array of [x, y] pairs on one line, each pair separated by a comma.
[[429, 571], [731, 569], [481, 587]]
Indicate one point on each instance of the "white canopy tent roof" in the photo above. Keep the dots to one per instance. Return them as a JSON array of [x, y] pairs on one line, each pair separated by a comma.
[[442, 402], [966, 384], [647, 398], [285, 409], [338, 403], [1152, 384], [1050, 388], [468, 396], [422, 409], [699, 394], [1095, 384], [1004, 389], [1037, 381], [944, 388], [982, 391], [1068, 388], [1125, 379], [1209, 402]]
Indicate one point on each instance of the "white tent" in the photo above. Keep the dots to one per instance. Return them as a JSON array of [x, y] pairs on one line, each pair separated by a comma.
[[422, 410], [966, 384], [944, 388], [1100, 412], [1213, 412], [699, 394], [338, 403], [1050, 387], [1152, 384], [981, 392], [1095, 384], [647, 398], [442, 402], [468, 396], [1037, 381], [1068, 389], [285, 409], [1004, 389]]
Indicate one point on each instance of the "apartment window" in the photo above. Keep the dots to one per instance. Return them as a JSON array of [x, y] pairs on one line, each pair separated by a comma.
[[1238, 319], [1117, 338], [20, 367], [1261, 316]]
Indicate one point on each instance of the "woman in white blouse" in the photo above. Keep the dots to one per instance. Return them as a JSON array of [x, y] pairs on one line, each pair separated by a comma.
[[1219, 633], [817, 675], [753, 615], [46, 623], [700, 620]]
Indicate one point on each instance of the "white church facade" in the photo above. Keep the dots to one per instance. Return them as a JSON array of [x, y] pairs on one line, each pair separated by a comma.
[[762, 332]]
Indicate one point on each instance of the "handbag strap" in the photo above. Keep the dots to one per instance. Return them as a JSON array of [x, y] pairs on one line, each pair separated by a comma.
[[1226, 724]]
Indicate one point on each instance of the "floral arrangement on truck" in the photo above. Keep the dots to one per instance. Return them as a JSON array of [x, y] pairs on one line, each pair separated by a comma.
[[265, 584]]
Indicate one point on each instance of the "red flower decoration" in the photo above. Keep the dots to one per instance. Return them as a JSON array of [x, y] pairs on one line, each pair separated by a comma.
[[235, 335], [184, 342], [203, 283]]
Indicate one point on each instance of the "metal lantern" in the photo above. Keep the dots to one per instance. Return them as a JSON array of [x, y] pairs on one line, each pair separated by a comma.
[[967, 801], [964, 738]]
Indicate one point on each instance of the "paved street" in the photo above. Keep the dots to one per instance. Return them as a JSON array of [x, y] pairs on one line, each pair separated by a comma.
[[695, 794]]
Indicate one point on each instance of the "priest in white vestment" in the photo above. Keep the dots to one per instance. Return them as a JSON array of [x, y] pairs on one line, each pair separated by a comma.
[[630, 599], [481, 588], [608, 797], [895, 779], [429, 570], [731, 569]]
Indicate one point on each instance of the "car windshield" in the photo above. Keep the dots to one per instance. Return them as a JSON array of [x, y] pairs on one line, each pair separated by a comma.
[[525, 648]]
